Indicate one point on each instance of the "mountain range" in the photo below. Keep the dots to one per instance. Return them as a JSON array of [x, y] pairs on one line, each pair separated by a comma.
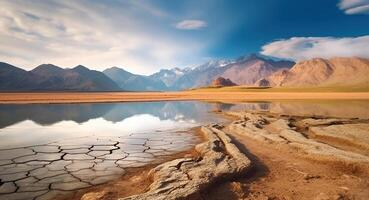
[[49, 77], [337, 71], [248, 70], [134, 82]]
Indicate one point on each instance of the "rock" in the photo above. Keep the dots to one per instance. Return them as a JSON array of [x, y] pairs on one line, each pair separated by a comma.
[[318, 122], [277, 126], [263, 83], [309, 176], [222, 82], [353, 134], [185, 178], [262, 127]]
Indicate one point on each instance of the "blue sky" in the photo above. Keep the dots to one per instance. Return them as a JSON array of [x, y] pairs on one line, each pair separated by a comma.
[[143, 36]]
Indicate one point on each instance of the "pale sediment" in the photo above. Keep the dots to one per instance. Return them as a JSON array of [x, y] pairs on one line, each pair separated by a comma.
[[351, 134], [299, 134], [219, 159]]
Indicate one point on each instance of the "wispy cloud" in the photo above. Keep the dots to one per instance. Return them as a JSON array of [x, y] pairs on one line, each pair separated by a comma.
[[302, 48], [191, 24], [96, 34], [352, 7]]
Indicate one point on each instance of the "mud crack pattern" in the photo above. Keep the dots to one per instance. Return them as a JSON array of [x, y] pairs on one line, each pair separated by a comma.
[[45, 171]]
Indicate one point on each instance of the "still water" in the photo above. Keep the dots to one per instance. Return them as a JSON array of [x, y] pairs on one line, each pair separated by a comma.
[[52, 150], [48, 150]]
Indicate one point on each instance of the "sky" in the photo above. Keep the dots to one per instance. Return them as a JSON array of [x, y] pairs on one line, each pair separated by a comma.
[[144, 36]]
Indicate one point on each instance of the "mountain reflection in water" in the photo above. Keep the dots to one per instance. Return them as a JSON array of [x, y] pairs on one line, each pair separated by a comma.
[[47, 114]]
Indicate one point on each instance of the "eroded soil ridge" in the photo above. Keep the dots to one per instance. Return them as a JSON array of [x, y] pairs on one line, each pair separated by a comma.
[[327, 139], [218, 159]]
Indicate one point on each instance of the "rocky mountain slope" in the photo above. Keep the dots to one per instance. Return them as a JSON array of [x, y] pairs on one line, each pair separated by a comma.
[[169, 76], [338, 71], [248, 70], [133, 82], [13, 78], [49, 77], [243, 71]]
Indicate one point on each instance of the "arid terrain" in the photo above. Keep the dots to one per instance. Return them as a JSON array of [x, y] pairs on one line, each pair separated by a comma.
[[225, 94], [292, 150], [259, 155]]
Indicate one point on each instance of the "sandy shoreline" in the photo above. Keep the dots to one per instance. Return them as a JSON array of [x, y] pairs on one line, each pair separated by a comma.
[[281, 148], [106, 97], [276, 166]]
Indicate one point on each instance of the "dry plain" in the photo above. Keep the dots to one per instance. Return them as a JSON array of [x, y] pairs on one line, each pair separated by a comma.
[[206, 95]]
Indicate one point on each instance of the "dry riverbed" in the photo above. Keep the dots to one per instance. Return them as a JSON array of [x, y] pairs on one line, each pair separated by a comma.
[[260, 155]]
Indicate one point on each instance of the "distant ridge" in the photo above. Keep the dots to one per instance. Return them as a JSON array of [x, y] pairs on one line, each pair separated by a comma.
[[248, 70], [133, 82], [14, 79], [48, 77], [245, 70], [339, 71]]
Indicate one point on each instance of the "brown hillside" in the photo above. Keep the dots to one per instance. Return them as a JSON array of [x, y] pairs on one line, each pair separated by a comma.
[[338, 71]]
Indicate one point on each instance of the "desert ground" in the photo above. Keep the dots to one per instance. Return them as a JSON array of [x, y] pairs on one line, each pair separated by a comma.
[[201, 94], [257, 156], [254, 155]]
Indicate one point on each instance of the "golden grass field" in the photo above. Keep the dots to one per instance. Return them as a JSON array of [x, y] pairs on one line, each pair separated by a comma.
[[203, 94]]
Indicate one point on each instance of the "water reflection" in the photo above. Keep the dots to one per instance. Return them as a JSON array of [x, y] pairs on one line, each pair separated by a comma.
[[47, 114], [331, 108], [28, 133], [51, 150]]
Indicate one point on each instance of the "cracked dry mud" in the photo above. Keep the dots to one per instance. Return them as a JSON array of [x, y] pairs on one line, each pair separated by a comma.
[[218, 160], [58, 168]]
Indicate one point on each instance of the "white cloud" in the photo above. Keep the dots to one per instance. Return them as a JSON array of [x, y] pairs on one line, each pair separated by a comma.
[[352, 7], [95, 34], [191, 24], [303, 48]]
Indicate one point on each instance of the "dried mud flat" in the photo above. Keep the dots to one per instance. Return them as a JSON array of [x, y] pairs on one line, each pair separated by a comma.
[[260, 155], [59, 169]]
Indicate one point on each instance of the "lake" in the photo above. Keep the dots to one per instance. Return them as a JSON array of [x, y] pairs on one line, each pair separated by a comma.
[[48, 150]]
